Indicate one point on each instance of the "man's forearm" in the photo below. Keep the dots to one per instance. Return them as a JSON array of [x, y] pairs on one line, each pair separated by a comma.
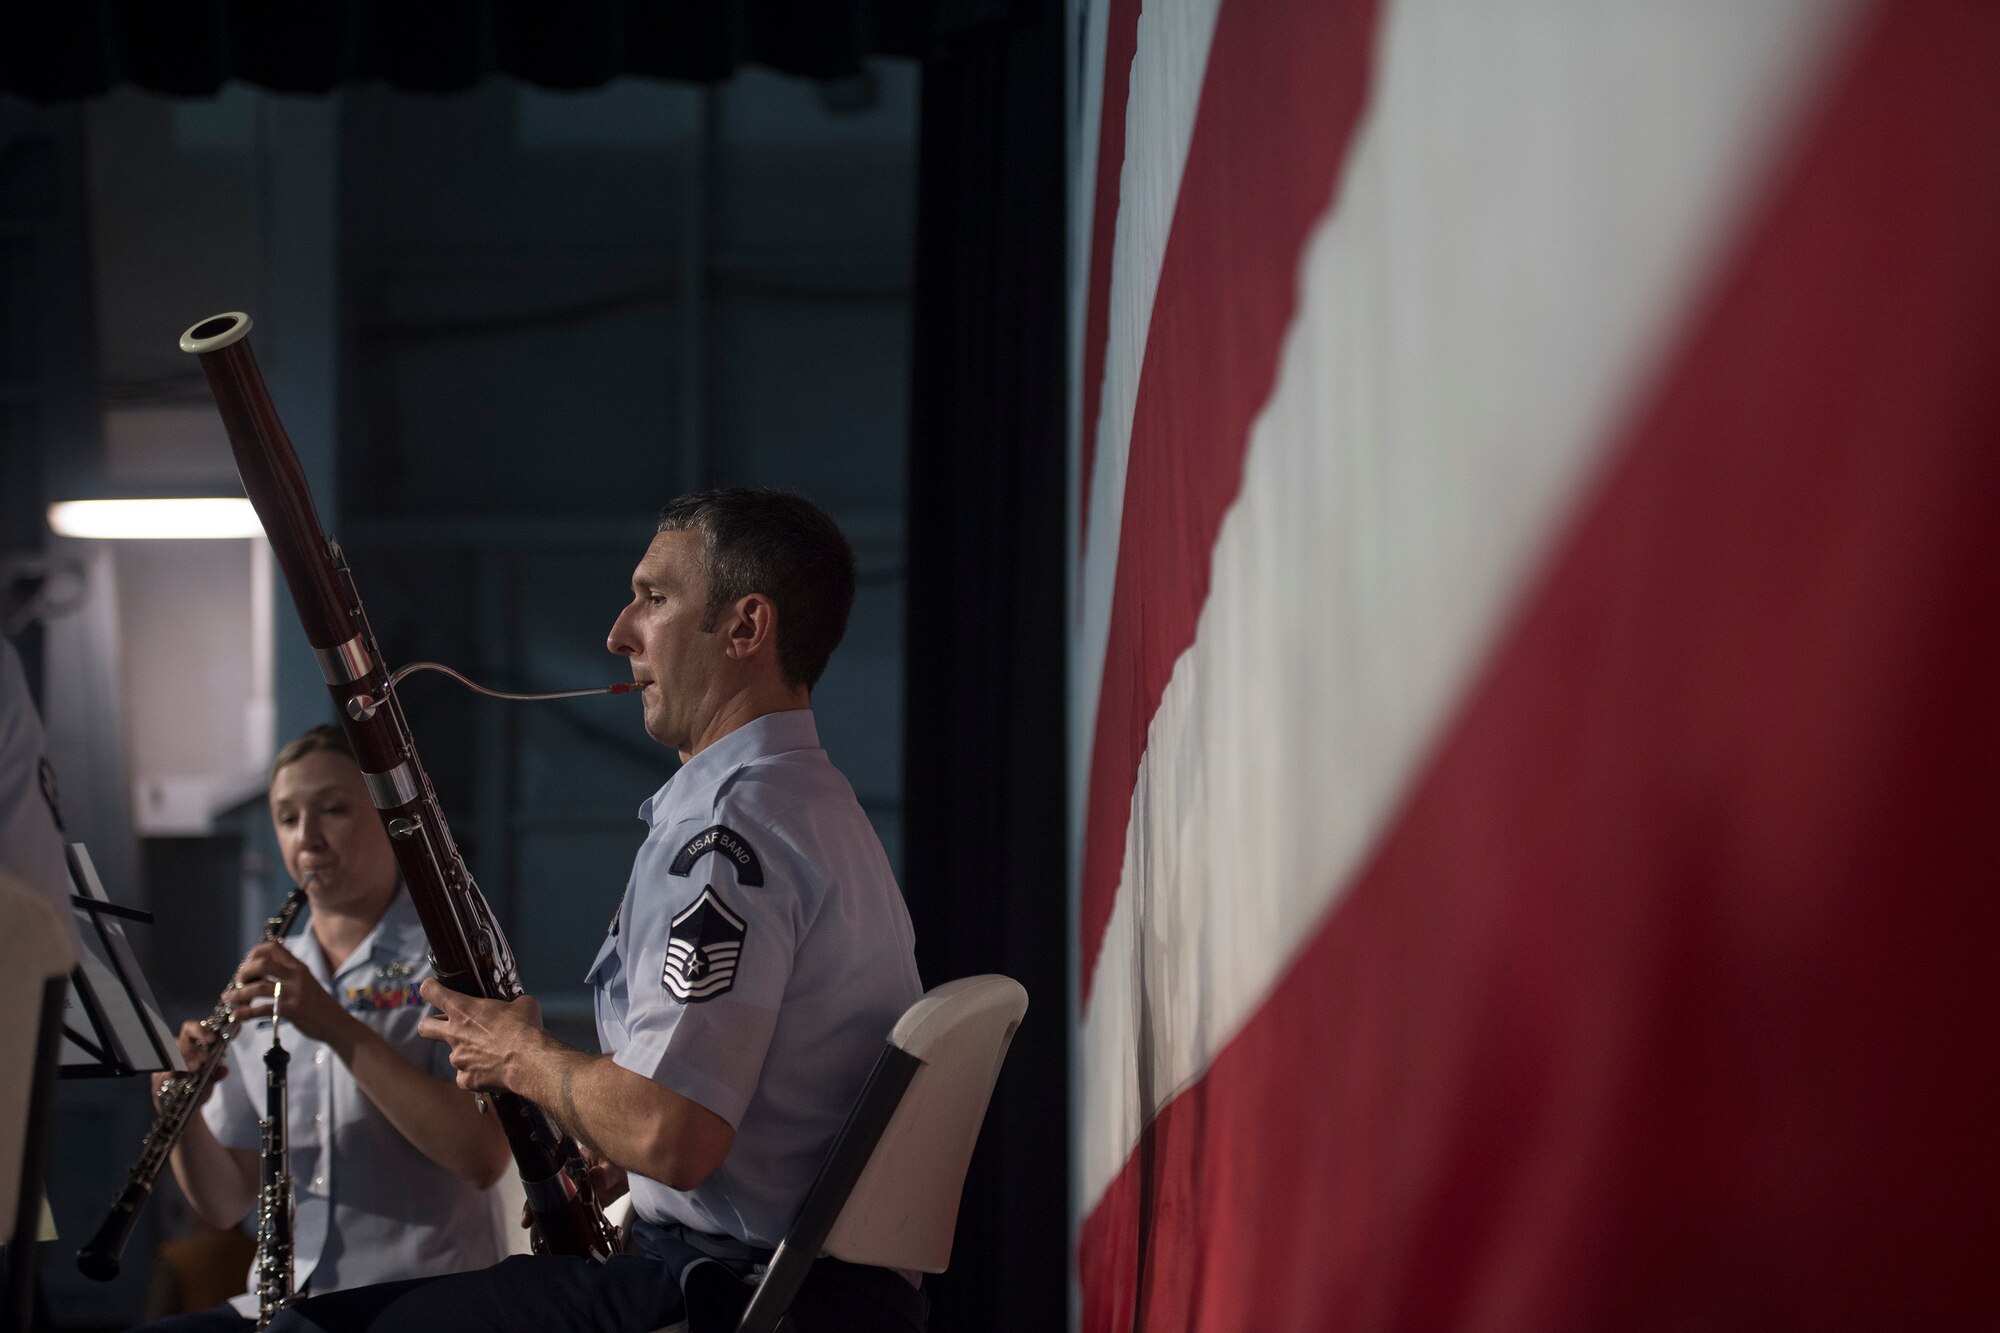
[[620, 1116], [594, 1115]]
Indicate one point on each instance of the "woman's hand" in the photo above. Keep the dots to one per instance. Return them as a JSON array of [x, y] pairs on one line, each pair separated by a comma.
[[197, 1045], [306, 1005]]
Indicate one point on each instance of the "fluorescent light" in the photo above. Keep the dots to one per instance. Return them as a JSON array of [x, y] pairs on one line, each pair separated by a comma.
[[183, 519]]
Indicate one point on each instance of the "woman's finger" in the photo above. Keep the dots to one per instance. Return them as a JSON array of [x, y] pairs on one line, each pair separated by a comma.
[[243, 995]]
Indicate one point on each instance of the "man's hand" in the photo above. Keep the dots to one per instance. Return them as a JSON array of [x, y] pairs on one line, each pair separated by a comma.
[[488, 1038], [612, 1113], [607, 1179], [306, 1005]]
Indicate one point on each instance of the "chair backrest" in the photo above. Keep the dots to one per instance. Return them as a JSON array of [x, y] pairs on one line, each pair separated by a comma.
[[888, 1192], [903, 1210]]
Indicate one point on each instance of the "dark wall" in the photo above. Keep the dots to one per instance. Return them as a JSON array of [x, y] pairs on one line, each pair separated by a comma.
[[984, 763], [561, 310]]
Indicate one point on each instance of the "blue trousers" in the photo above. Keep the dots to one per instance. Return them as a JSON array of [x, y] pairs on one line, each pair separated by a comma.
[[662, 1281]]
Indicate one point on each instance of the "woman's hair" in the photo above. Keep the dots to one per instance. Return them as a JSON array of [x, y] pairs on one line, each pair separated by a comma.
[[326, 736]]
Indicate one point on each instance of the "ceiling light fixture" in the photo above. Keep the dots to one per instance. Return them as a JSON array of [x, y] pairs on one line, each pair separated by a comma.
[[205, 518]]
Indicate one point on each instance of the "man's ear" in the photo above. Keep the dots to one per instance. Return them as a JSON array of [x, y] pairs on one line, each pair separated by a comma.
[[752, 627]]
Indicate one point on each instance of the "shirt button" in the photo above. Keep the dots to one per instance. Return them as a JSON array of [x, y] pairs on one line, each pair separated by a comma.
[[319, 1182], [319, 1057], [318, 1119]]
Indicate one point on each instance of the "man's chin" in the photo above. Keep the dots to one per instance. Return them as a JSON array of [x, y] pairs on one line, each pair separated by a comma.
[[659, 730]]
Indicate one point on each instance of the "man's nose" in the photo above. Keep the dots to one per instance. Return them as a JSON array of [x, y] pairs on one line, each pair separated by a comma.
[[618, 640]]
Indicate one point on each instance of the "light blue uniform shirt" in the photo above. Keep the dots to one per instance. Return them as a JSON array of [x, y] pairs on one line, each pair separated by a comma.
[[370, 1206], [759, 958]]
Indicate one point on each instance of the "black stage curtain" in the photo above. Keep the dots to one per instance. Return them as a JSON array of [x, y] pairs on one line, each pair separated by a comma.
[[80, 48], [984, 850]]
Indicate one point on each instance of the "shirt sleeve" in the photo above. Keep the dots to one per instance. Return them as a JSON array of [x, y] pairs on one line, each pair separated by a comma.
[[711, 956]]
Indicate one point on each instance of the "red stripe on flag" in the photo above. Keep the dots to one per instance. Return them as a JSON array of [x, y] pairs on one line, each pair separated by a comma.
[[1285, 87], [1669, 999], [1121, 43]]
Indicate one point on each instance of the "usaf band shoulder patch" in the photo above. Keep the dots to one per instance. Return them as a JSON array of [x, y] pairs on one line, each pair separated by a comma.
[[702, 949], [728, 843]]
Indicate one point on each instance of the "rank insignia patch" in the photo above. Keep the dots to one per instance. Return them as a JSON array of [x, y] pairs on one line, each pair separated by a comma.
[[702, 949], [725, 842]]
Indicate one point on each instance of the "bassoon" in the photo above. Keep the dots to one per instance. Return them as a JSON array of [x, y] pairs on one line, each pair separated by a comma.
[[468, 951]]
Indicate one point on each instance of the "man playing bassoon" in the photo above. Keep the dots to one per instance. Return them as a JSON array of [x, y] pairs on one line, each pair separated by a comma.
[[757, 961]]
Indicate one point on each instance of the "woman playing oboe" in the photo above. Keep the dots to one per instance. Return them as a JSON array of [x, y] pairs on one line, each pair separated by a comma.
[[390, 1160]]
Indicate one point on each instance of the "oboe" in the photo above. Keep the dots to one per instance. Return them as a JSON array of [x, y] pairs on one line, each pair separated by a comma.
[[469, 952], [274, 1181], [178, 1098]]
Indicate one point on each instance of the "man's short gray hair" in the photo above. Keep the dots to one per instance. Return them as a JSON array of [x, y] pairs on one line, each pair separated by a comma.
[[783, 546]]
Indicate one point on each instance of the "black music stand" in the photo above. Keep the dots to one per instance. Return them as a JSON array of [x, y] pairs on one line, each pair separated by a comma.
[[103, 1024], [111, 1025]]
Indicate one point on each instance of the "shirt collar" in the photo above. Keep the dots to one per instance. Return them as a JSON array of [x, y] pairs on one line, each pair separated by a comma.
[[390, 939], [759, 738]]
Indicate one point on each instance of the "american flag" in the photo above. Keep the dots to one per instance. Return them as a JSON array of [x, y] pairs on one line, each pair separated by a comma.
[[1536, 664]]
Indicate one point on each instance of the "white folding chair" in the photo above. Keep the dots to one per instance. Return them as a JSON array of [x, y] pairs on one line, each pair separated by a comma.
[[888, 1192]]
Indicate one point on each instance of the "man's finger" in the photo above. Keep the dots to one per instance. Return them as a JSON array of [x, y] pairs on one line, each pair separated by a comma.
[[437, 1029], [441, 996]]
